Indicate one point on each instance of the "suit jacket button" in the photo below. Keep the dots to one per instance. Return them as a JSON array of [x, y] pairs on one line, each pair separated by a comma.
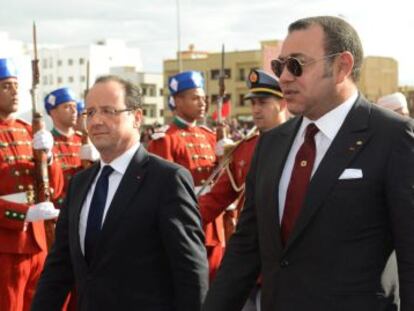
[[284, 263]]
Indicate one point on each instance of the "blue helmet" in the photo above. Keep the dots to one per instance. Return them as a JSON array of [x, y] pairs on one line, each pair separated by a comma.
[[184, 81], [59, 96], [7, 69]]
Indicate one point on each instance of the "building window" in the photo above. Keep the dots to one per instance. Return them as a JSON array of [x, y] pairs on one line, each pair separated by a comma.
[[70, 79], [59, 80], [152, 113], [50, 62], [51, 79], [144, 91], [44, 80], [242, 74], [82, 78], [241, 100], [81, 61], [144, 112], [44, 63], [161, 112], [161, 92], [215, 74], [59, 62], [151, 91], [70, 61]]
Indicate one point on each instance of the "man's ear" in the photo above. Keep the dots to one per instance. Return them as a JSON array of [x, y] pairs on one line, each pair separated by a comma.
[[345, 64], [138, 118]]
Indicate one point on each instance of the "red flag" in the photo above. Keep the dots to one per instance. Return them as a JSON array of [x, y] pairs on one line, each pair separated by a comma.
[[225, 110]]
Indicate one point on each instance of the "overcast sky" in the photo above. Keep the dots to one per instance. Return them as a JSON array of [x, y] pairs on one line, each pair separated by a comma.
[[386, 27]]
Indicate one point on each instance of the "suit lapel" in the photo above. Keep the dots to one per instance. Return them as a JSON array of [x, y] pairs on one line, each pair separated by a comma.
[[127, 189], [275, 155], [350, 140]]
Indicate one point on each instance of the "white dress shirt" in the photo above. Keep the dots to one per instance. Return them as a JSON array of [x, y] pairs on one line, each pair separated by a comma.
[[119, 165], [328, 125]]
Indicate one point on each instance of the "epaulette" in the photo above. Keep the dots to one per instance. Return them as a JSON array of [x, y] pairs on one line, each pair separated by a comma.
[[247, 138], [79, 133], [162, 129], [160, 132], [157, 135], [206, 128], [251, 135], [24, 122]]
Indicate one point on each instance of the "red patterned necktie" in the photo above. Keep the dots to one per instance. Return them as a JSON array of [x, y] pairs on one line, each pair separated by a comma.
[[299, 181]]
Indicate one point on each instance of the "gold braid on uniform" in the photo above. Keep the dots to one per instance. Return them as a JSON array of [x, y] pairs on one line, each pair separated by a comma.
[[236, 188], [232, 181]]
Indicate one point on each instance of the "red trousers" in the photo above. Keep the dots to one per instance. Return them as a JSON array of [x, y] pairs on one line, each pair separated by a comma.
[[215, 255], [19, 274]]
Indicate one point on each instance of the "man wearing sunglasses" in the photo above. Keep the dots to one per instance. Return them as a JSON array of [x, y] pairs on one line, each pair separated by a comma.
[[329, 194]]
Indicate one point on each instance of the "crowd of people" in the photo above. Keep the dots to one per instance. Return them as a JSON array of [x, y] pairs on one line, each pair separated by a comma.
[[309, 207]]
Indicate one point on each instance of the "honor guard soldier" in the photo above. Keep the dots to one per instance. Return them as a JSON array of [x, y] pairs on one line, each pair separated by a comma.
[[268, 111], [192, 146], [22, 232], [62, 107]]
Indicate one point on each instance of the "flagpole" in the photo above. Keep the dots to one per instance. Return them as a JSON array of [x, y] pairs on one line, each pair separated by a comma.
[[180, 63]]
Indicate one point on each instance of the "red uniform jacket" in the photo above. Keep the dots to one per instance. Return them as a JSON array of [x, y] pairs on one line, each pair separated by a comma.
[[193, 148], [229, 186], [16, 171], [66, 151]]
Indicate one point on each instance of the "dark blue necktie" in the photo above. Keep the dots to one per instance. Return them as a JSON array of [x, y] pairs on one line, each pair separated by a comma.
[[96, 211]]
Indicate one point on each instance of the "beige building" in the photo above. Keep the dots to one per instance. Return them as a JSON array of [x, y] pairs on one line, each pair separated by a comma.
[[237, 65], [379, 75]]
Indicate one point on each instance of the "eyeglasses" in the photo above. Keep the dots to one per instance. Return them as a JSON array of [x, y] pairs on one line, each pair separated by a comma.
[[294, 65], [106, 112]]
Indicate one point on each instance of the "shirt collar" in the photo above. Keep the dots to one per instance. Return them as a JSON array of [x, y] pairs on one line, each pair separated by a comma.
[[121, 163], [60, 133], [189, 124], [330, 123]]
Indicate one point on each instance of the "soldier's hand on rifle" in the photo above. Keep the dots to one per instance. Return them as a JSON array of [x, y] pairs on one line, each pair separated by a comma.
[[88, 152], [43, 140], [219, 149], [42, 211]]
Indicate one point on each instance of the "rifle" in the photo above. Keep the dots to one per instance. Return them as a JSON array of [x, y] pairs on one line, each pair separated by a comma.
[[85, 137], [220, 130], [229, 216], [223, 162], [41, 175]]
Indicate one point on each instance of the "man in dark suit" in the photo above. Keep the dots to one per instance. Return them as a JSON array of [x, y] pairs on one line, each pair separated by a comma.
[[130, 234], [330, 193]]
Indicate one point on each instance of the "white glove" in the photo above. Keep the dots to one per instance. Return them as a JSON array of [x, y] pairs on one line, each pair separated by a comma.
[[88, 152], [42, 211], [43, 140], [231, 207], [219, 149]]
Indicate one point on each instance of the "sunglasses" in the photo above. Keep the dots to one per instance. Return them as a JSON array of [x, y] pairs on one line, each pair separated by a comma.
[[294, 65]]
